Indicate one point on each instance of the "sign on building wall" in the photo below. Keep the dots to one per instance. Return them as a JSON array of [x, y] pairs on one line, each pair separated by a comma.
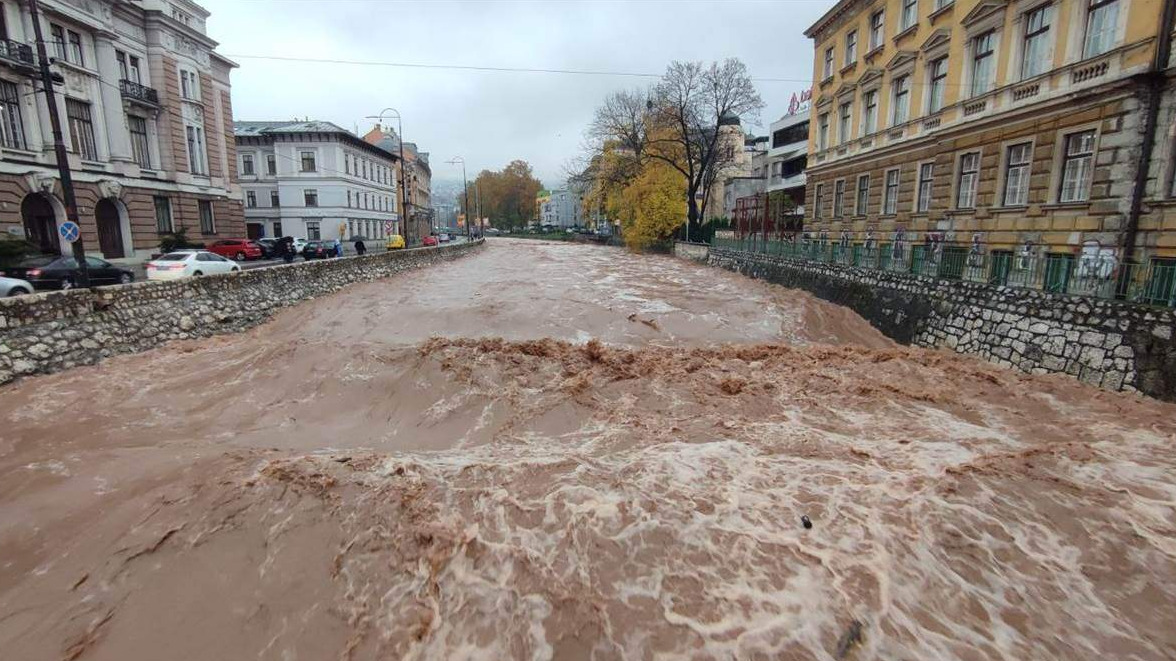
[[800, 101]]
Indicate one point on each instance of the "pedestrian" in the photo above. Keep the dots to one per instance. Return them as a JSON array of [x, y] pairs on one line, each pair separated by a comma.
[[288, 249], [338, 247], [360, 248]]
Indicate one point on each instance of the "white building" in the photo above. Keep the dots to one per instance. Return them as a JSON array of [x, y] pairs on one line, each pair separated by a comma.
[[146, 114], [563, 210], [788, 156], [315, 180]]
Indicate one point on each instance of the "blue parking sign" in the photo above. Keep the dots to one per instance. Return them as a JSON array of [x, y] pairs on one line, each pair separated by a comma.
[[69, 231]]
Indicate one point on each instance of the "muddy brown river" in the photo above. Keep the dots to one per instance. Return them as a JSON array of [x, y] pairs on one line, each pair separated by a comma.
[[556, 451]]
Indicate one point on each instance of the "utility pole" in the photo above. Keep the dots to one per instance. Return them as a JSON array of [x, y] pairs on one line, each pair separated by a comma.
[[404, 203], [465, 189], [67, 190], [478, 203]]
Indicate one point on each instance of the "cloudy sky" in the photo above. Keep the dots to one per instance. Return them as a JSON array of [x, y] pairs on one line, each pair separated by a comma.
[[491, 117]]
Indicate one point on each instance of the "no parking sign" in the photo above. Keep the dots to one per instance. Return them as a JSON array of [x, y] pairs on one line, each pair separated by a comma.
[[69, 231]]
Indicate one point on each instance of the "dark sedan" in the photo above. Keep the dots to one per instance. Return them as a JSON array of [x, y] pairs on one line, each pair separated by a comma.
[[59, 272], [269, 248], [318, 250]]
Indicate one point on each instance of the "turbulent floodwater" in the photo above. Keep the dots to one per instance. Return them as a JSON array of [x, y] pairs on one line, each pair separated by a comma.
[[549, 451]]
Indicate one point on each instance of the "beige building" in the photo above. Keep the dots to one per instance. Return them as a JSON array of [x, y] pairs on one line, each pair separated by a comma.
[[147, 117], [1003, 127], [417, 177]]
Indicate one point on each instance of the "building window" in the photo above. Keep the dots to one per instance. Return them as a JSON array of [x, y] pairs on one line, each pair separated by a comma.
[[877, 29], [843, 128], [11, 127], [310, 197], [275, 199], [74, 48], [890, 195], [910, 13], [851, 47], [1102, 22], [163, 215], [828, 63], [308, 164], [346, 164], [937, 71], [1034, 60], [817, 202], [1076, 168], [189, 85], [940, 4], [348, 199], [823, 131], [863, 195], [312, 230], [57, 35], [926, 177], [902, 98], [207, 220], [839, 198], [81, 129], [982, 61], [196, 155], [870, 114], [1017, 160], [251, 199], [365, 169], [247, 164], [271, 164], [140, 146], [128, 66], [969, 177]]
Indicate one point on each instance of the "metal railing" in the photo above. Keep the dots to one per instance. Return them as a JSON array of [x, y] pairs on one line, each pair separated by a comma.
[[15, 51], [133, 90], [1093, 275]]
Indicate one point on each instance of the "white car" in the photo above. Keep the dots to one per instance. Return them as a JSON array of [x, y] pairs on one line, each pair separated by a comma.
[[14, 287], [299, 244], [443, 237], [189, 263]]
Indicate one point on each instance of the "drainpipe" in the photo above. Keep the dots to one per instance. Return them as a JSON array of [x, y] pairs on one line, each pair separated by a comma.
[[1154, 79]]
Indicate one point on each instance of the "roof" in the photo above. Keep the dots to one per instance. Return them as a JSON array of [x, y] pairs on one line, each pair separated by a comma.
[[834, 12], [311, 126], [275, 128]]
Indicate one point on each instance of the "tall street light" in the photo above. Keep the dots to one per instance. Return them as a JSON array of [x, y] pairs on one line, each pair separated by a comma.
[[403, 165], [465, 189]]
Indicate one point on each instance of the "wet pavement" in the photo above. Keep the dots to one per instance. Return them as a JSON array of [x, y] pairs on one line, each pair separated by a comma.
[[553, 450]]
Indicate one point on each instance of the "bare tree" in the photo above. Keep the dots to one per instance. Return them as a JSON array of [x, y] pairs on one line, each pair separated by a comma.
[[678, 122]]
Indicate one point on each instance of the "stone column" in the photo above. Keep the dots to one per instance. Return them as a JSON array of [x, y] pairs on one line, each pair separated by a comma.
[[117, 136]]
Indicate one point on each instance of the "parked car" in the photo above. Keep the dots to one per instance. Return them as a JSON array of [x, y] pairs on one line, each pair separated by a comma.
[[189, 263], [269, 247], [61, 272], [15, 287], [318, 250], [395, 242], [492, 231], [429, 241], [238, 249], [444, 237], [299, 243]]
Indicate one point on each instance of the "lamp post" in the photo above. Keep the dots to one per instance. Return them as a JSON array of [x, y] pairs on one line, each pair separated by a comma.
[[403, 190], [465, 189]]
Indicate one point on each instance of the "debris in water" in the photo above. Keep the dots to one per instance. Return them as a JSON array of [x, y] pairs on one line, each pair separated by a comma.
[[850, 640], [807, 522]]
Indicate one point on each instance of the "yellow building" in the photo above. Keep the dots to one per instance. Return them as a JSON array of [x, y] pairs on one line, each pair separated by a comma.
[[992, 128]]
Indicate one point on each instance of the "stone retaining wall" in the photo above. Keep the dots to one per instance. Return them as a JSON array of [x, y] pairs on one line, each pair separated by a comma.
[[695, 251], [58, 330], [1111, 344]]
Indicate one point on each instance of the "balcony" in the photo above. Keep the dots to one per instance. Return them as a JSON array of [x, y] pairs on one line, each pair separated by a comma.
[[137, 93], [16, 54]]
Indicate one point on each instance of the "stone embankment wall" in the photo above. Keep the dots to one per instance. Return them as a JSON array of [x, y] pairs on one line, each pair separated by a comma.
[[59, 330], [695, 251], [1111, 344]]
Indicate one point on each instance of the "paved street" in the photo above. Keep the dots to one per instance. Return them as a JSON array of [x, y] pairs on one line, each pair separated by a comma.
[[373, 473]]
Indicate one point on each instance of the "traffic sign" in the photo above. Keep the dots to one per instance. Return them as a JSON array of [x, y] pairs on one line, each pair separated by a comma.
[[69, 231]]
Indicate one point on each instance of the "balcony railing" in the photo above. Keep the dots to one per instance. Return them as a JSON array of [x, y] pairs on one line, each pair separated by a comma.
[[1095, 275], [14, 51], [136, 92]]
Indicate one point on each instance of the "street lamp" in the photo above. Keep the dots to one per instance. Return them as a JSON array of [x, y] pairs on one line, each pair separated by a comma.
[[465, 188], [403, 190]]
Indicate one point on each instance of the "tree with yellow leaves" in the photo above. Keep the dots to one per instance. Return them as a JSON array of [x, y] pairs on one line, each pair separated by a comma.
[[651, 207]]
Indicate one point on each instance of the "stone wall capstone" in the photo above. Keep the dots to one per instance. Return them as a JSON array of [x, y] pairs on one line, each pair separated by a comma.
[[1116, 345], [52, 331]]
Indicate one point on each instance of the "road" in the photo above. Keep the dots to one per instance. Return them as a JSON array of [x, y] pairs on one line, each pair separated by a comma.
[[561, 451]]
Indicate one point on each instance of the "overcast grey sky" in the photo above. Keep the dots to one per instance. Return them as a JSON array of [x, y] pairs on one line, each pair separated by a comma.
[[490, 118]]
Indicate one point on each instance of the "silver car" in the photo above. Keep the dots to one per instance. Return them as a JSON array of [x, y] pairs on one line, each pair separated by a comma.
[[14, 287]]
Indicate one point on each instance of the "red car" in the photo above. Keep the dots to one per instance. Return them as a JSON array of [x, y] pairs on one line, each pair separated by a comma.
[[238, 249], [429, 241]]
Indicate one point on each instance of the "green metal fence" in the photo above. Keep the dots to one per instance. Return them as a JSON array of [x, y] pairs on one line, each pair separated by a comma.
[[1150, 283]]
